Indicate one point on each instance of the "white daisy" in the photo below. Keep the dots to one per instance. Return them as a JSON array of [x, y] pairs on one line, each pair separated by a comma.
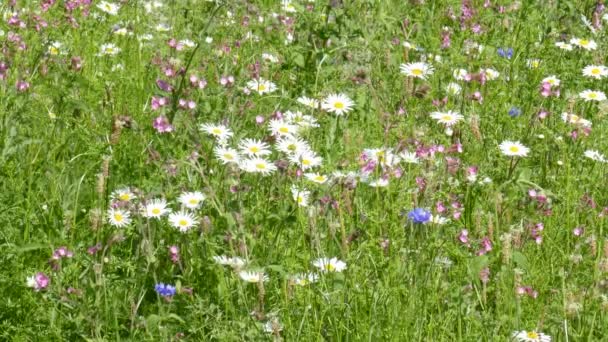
[[592, 95], [292, 145], [124, 195], [586, 44], [162, 27], [54, 48], [253, 276], [338, 104], [595, 71], [191, 200], [575, 119], [513, 149], [460, 74], [329, 265], [453, 88], [253, 147], [303, 279], [417, 70], [448, 118], [262, 86], [308, 102], [552, 80], [220, 132], [234, 262], [118, 217], [595, 155], [378, 183], [531, 336], [316, 178], [155, 208], [306, 160], [533, 63], [108, 7], [564, 46], [227, 155], [301, 196], [409, 157], [491, 74], [269, 58], [281, 128], [302, 120], [258, 165], [183, 221], [109, 49]]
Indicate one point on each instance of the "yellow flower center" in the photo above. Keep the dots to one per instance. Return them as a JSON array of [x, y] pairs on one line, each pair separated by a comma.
[[584, 42], [574, 118], [339, 105], [118, 217], [532, 335], [155, 211], [193, 201], [300, 199], [595, 71], [514, 149], [183, 222], [109, 49], [417, 72], [284, 130], [108, 7], [446, 118], [261, 87], [53, 50], [216, 131], [260, 166], [306, 162], [330, 267], [124, 197], [320, 178], [228, 156], [254, 149], [592, 95]]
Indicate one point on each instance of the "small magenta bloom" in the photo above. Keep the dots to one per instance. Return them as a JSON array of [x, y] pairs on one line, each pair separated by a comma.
[[419, 215], [165, 290], [38, 282], [161, 125]]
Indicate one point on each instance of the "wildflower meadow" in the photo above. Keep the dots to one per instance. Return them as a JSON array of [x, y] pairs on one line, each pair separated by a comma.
[[303, 170]]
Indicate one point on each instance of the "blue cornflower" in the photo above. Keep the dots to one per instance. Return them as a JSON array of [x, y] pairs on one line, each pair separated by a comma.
[[164, 290], [514, 112], [508, 53], [419, 215]]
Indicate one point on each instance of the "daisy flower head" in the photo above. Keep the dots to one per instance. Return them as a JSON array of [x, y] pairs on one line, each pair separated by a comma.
[[118, 217], [592, 95], [262, 86], [416, 70], [303, 279], [448, 118], [109, 49], [531, 336], [308, 102], [302, 120], [491, 74], [339, 104], [301, 196], [191, 200], [220, 132], [254, 147], [564, 46], [281, 128], [234, 262], [453, 88], [288, 6], [460, 74], [595, 71], [183, 221], [292, 145], [329, 265], [595, 155], [409, 157], [269, 58], [513, 149], [575, 120], [124, 195], [227, 155], [552, 80], [108, 7], [306, 160], [253, 276], [155, 208], [586, 44], [533, 63], [54, 48], [258, 165], [316, 178]]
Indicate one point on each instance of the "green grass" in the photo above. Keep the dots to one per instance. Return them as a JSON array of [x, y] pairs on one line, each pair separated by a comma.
[[62, 156]]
